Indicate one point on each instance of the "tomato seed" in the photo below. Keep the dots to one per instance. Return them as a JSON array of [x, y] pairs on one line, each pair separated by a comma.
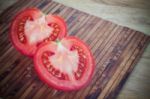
[[21, 39], [48, 53], [52, 24], [72, 48], [45, 61], [21, 35], [57, 30], [49, 39], [80, 70], [82, 65], [77, 47], [21, 23], [48, 65], [24, 20], [45, 54], [50, 69], [84, 56], [59, 75], [53, 71], [81, 59], [80, 50], [78, 75], [63, 76], [56, 26], [20, 29], [57, 72], [55, 34], [52, 37], [28, 18], [46, 40]]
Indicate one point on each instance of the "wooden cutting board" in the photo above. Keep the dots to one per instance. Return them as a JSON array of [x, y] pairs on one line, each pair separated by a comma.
[[116, 50]]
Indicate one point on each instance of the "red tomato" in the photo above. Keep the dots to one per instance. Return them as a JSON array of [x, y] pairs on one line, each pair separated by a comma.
[[64, 65], [31, 27]]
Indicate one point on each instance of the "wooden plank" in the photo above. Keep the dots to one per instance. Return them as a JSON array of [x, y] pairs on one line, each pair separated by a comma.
[[125, 53], [125, 71], [115, 49]]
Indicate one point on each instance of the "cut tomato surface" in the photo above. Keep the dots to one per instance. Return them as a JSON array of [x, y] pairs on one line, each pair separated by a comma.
[[65, 65], [31, 27]]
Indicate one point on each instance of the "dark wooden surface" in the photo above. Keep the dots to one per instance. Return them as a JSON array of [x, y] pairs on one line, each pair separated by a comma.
[[116, 50]]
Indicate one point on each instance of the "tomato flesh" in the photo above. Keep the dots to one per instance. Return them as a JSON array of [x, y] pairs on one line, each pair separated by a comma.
[[31, 27], [38, 30], [65, 65]]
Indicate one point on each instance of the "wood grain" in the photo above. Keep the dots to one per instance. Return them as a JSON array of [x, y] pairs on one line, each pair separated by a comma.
[[116, 50]]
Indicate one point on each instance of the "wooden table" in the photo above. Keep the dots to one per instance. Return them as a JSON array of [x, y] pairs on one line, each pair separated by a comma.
[[81, 9]]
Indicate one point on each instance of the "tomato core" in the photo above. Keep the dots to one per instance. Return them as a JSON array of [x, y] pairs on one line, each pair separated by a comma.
[[37, 30]]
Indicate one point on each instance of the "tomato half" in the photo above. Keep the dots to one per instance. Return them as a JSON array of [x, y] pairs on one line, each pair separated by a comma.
[[31, 27], [64, 65]]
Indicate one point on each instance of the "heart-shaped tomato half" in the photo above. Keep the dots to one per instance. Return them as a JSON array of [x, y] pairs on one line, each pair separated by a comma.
[[65, 65], [31, 27]]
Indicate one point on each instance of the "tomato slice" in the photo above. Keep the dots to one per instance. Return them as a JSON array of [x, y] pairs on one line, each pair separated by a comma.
[[31, 27], [64, 65]]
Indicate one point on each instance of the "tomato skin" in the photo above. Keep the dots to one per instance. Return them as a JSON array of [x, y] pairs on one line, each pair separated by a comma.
[[44, 74], [27, 49]]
